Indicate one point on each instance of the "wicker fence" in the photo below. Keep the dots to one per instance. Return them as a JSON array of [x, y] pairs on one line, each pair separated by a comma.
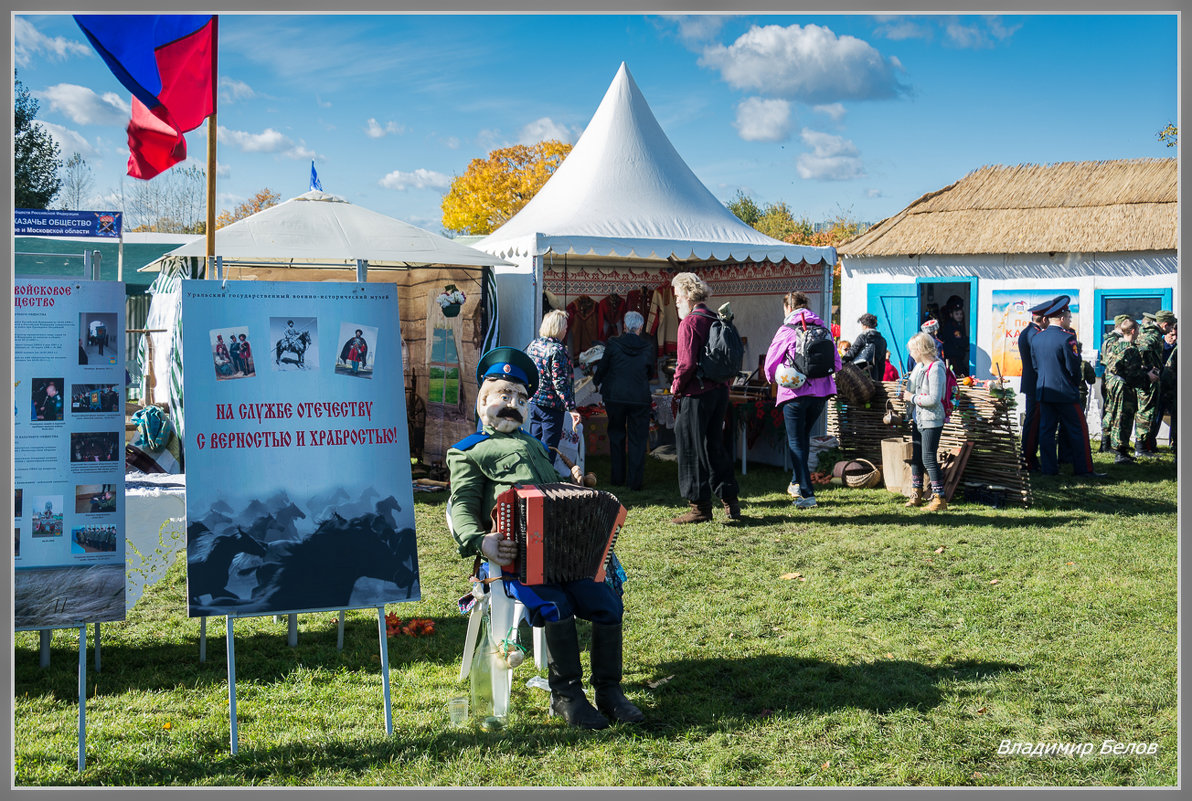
[[994, 467]]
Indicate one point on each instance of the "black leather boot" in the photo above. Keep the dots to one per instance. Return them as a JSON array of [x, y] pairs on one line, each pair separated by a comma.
[[606, 675], [565, 677]]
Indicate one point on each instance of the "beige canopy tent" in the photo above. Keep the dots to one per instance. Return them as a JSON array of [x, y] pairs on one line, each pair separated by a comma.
[[322, 237]]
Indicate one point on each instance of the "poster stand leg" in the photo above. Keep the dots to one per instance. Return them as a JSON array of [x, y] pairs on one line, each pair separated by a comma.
[[232, 686], [82, 697], [292, 630], [44, 639], [385, 669], [97, 668], [339, 637], [203, 639]]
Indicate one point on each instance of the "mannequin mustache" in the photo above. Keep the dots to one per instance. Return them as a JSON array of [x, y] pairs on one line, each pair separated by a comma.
[[512, 414]]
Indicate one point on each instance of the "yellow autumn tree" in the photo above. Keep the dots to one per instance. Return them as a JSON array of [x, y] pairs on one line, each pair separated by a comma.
[[495, 188], [258, 202]]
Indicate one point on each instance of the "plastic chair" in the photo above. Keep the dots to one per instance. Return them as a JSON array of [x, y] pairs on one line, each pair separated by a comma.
[[504, 613]]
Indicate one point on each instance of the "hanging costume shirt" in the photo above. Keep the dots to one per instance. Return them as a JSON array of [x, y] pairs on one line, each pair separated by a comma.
[[608, 317], [583, 325], [663, 321]]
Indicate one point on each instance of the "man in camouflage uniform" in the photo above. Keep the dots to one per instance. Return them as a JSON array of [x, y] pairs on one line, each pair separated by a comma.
[[1167, 387], [1124, 373], [1150, 347], [1165, 321]]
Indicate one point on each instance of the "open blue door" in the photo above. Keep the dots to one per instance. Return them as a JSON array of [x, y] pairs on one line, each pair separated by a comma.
[[896, 307]]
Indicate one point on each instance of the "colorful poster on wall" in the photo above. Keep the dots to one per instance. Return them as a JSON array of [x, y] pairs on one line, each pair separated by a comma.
[[68, 452], [298, 492], [1010, 316]]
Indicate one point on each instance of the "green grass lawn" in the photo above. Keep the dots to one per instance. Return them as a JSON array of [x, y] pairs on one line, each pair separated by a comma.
[[907, 649]]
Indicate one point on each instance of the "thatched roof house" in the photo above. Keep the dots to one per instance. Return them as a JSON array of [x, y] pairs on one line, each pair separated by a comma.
[[1003, 238], [1071, 207]]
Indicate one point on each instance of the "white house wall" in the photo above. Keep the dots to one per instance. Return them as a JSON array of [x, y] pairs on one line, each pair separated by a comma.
[[1085, 272]]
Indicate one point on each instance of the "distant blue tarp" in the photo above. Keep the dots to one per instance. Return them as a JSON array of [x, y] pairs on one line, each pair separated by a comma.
[[47, 222]]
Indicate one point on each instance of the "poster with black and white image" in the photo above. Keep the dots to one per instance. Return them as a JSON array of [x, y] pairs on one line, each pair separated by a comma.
[[58, 446], [298, 492]]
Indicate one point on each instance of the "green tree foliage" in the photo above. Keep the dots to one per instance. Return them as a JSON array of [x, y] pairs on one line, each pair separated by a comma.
[[745, 209], [35, 154], [494, 189]]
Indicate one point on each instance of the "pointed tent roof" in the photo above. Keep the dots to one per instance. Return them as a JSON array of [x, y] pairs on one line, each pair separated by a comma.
[[625, 191], [322, 228]]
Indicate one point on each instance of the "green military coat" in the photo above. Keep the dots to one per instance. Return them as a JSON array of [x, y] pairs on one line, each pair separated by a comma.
[[483, 466]]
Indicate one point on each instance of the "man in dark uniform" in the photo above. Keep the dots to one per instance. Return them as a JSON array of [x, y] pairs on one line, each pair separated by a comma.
[[483, 466], [1056, 359], [1030, 421]]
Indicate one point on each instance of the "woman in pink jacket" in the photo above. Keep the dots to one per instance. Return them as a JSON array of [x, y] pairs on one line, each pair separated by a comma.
[[802, 406]]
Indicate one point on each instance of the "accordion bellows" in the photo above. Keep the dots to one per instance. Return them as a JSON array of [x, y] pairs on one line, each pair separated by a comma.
[[564, 532]]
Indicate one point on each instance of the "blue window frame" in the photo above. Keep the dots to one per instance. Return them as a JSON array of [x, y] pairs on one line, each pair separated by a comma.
[[1109, 303]]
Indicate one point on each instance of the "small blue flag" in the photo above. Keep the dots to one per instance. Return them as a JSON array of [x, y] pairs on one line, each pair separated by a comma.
[[314, 178]]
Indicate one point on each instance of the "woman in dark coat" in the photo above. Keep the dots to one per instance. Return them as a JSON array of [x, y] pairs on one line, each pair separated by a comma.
[[954, 333], [623, 378]]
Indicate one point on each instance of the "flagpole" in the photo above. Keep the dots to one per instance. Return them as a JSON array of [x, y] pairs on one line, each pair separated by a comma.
[[211, 131]]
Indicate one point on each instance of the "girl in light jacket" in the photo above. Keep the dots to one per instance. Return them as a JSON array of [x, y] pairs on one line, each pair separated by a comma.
[[924, 395], [802, 407]]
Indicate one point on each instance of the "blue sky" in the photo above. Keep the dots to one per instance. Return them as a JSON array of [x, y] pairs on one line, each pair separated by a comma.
[[852, 114]]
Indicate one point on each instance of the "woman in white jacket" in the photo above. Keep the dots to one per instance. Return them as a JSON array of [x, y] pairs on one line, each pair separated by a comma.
[[924, 395]]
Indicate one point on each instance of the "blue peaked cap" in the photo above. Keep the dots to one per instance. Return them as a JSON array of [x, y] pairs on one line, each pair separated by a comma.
[[509, 363]]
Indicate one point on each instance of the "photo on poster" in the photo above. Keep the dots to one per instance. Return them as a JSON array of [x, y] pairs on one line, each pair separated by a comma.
[[18, 498], [97, 338], [295, 343], [46, 515], [1011, 316], [93, 539], [96, 446], [231, 351], [46, 399], [58, 597], [95, 498], [358, 352], [16, 542], [94, 398]]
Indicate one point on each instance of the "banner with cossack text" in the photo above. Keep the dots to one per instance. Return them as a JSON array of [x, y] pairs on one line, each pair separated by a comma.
[[298, 491]]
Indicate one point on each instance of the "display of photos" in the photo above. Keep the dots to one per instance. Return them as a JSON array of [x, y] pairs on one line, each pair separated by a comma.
[[68, 452], [298, 489]]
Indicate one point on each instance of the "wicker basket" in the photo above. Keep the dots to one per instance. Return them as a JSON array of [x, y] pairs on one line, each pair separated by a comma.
[[854, 386], [857, 473]]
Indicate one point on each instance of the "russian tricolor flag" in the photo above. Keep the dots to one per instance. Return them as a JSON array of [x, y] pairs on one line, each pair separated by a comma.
[[168, 63]]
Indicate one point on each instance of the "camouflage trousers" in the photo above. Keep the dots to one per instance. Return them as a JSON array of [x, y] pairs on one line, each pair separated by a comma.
[[1118, 419], [1148, 410]]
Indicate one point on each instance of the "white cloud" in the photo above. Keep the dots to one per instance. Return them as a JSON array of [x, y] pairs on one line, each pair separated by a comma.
[[977, 32], [695, 29], [375, 130], [832, 158], [268, 141], [85, 107], [807, 63], [452, 142], [763, 120], [833, 110], [545, 128], [28, 42], [874, 193], [418, 179], [232, 90], [68, 141], [321, 103], [898, 28]]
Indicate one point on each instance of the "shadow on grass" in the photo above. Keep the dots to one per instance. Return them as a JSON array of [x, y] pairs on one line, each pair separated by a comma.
[[704, 692], [260, 657], [704, 697]]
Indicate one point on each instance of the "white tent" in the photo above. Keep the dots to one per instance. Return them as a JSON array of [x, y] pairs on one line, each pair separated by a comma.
[[624, 193], [320, 229]]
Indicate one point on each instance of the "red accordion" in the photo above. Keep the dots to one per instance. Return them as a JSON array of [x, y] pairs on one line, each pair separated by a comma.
[[564, 532]]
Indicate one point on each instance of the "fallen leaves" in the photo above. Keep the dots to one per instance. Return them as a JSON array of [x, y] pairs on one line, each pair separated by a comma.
[[982, 710], [654, 685], [792, 577], [940, 549], [415, 627], [995, 581]]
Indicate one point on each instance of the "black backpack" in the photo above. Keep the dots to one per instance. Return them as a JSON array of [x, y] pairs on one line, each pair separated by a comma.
[[815, 351], [723, 352]]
